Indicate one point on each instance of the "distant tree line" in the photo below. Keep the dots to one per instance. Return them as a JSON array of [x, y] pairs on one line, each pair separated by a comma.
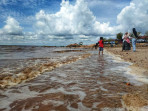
[[119, 38], [119, 35]]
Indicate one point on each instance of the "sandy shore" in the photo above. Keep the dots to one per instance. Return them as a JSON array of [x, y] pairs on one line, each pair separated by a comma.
[[138, 58], [135, 100]]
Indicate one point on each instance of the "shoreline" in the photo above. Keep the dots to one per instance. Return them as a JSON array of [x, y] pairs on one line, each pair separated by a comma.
[[138, 73], [138, 60], [103, 75], [138, 100]]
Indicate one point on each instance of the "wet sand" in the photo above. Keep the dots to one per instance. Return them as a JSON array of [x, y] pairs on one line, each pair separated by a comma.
[[139, 67], [138, 58], [96, 83]]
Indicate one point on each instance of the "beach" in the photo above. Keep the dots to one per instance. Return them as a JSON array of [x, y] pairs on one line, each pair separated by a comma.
[[139, 59], [139, 67], [51, 59], [69, 79]]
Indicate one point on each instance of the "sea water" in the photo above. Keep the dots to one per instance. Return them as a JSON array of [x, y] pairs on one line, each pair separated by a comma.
[[60, 78], [19, 63]]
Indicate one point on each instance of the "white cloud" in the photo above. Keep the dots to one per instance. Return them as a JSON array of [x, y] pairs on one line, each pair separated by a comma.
[[12, 27], [3, 2], [134, 15], [71, 19], [76, 22]]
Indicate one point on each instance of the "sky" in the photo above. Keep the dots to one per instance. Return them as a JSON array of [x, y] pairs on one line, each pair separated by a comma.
[[63, 22]]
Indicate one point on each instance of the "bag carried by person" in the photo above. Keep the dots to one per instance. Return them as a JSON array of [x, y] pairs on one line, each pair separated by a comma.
[[135, 33]]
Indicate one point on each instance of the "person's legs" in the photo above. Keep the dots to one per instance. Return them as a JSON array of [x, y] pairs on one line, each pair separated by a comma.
[[123, 45], [99, 50], [129, 46], [126, 45], [134, 44]]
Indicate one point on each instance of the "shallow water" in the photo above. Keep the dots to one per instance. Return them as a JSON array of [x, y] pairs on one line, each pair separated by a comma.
[[19, 63], [94, 83]]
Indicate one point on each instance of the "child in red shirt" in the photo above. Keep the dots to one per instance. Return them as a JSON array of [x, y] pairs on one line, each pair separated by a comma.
[[101, 45]]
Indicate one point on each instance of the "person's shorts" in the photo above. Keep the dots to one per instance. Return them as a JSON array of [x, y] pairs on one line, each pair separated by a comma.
[[100, 48]]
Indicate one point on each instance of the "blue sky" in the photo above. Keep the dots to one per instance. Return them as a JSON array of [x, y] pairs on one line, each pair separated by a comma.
[[61, 22], [22, 10]]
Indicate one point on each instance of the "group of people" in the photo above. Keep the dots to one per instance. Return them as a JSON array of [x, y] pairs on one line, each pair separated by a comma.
[[126, 41]]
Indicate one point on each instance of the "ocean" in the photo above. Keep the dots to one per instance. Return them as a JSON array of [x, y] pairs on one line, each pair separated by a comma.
[[37, 78]]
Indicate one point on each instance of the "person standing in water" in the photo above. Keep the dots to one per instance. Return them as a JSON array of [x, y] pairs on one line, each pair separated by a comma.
[[101, 45], [134, 37]]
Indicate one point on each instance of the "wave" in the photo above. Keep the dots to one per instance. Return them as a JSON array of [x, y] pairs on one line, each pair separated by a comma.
[[34, 71], [63, 51]]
